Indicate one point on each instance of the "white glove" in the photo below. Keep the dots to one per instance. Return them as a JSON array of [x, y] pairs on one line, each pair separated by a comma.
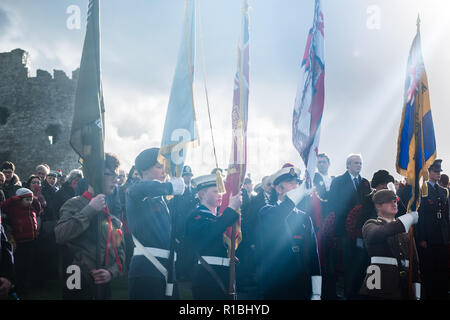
[[177, 185], [316, 287], [409, 219], [416, 288], [298, 194]]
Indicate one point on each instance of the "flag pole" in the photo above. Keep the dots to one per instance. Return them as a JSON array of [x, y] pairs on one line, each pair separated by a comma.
[[232, 288], [411, 229]]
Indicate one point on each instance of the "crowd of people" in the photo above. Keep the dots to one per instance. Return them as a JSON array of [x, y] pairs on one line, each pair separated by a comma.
[[342, 238]]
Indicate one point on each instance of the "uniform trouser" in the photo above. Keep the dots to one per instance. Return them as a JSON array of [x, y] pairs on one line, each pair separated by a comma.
[[24, 258], [204, 285], [149, 288], [350, 259], [329, 274], [434, 267]]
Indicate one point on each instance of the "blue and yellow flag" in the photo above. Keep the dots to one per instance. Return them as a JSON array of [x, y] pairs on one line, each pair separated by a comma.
[[416, 146], [180, 129]]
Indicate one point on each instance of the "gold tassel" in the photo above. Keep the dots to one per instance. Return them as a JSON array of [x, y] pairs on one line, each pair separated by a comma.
[[219, 181]]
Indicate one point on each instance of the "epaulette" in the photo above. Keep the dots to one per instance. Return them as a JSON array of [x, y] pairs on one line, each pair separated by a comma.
[[376, 221]]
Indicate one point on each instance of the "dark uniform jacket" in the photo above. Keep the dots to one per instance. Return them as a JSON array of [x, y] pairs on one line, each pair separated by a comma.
[[432, 227], [322, 193], [344, 197], [182, 206], [389, 239], [251, 219], [205, 232], [289, 252], [150, 222]]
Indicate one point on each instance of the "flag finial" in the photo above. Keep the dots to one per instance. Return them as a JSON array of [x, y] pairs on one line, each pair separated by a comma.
[[418, 21]]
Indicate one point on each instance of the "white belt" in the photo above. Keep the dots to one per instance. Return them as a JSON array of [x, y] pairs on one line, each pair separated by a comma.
[[157, 252], [217, 261], [145, 251], [387, 260]]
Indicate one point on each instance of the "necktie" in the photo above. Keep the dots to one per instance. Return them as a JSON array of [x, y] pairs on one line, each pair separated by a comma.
[[355, 180]]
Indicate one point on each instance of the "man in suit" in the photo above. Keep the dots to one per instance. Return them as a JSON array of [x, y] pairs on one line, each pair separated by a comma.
[[347, 191], [432, 236]]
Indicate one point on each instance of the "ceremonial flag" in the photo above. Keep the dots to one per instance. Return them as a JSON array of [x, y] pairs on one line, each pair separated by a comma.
[[239, 116], [416, 146], [180, 127], [309, 100], [88, 126]]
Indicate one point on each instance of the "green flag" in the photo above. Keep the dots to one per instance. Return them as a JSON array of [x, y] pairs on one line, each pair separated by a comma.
[[88, 125]]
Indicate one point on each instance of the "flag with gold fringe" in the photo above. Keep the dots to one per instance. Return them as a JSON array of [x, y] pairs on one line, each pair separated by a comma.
[[180, 128], [416, 146], [238, 160]]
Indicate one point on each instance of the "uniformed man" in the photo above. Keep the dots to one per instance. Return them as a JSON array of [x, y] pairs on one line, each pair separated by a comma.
[[205, 231], [322, 182], [432, 236], [290, 265], [387, 243], [151, 225]]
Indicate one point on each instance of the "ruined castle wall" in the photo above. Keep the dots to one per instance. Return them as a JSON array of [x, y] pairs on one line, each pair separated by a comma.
[[32, 109]]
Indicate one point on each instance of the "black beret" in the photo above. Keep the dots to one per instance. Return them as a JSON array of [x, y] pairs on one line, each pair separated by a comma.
[[436, 166], [381, 177], [146, 159]]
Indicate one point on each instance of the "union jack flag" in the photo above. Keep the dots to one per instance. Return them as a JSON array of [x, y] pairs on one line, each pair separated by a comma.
[[309, 101]]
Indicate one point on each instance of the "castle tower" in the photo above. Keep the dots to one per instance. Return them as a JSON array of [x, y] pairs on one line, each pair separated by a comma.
[[35, 116]]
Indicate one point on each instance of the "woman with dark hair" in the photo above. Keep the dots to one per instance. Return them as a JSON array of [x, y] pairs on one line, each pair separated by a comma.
[[34, 183]]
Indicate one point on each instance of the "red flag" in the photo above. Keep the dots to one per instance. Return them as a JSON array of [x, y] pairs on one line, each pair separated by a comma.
[[239, 115]]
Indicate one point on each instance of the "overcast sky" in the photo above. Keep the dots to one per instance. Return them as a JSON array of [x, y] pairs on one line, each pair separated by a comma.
[[366, 51]]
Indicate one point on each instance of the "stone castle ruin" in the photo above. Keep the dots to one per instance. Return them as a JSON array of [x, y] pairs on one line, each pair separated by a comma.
[[35, 116]]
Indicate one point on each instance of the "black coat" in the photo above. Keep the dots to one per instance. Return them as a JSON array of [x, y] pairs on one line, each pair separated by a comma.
[[430, 228], [182, 206], [6, 257], [10, 187], [250, 219], [289, 252], [61, 196], [344, 197], [49, 193]]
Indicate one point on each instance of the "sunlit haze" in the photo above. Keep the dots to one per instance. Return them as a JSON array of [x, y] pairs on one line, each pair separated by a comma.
[[366, 51]]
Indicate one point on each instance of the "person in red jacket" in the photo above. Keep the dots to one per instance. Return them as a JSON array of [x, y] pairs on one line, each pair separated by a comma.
[[22, 210]]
